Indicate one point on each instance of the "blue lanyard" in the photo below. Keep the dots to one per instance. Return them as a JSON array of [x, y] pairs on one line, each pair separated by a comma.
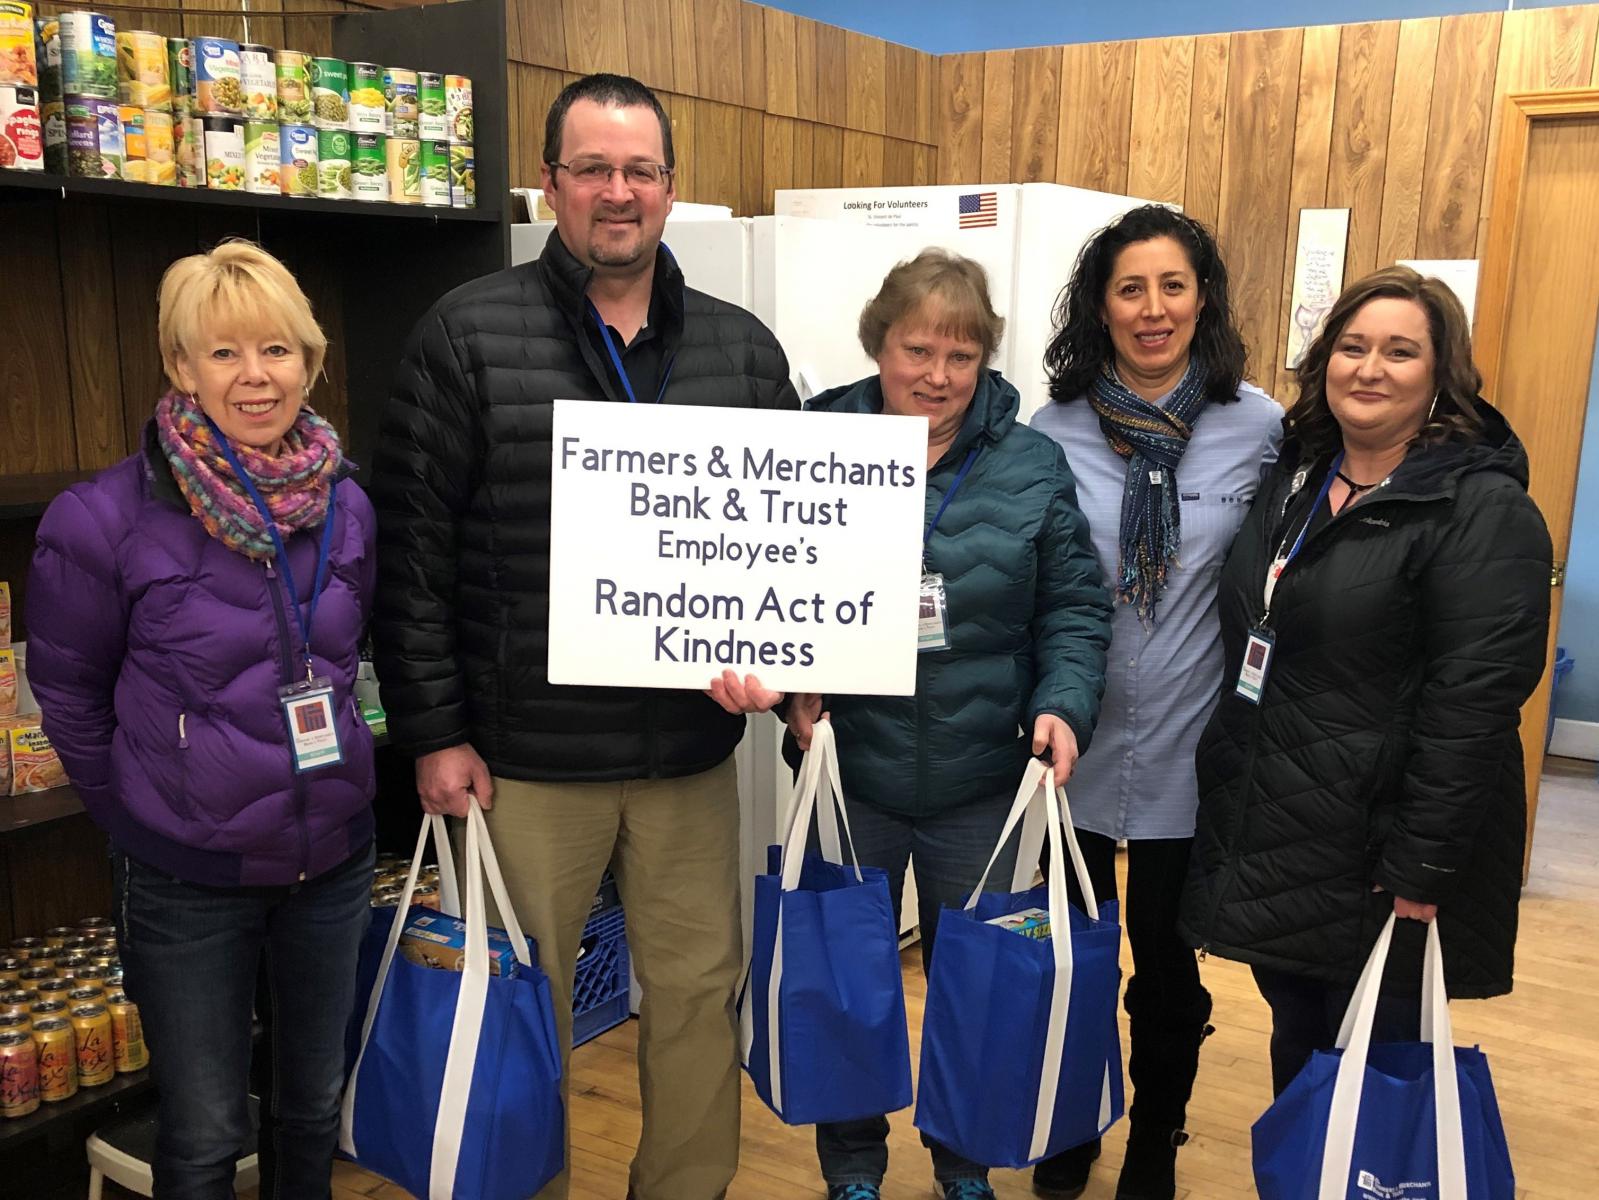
[[324, 550], [1321, 496], [966, 466], [616, 360]]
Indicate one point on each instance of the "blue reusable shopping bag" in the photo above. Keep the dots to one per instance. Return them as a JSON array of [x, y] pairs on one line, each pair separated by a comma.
[[822, 1011], [1363, 1122], [456, 1091], [1020, 1053]]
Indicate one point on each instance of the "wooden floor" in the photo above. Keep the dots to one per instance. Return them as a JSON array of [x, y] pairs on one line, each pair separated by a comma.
[[1542, 1042]]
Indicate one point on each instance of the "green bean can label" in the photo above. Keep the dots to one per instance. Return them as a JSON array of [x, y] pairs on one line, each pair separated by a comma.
[[436, 174], [88, 55], [263, 158], [404, 156], [400, 99], [369, 166], [330, 93], [299, 154], [433, 122], [293, 71], [333, 166], [463, 177]]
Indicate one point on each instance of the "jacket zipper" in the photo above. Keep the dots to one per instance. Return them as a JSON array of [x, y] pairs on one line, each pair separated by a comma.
[[286, 668], [183, 731]]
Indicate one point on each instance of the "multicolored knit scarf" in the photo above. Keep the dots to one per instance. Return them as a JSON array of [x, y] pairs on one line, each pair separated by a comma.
[[295, 484], [1152, 440]]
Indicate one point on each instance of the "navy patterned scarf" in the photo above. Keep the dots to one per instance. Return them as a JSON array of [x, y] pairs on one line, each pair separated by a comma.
[[1152, 440]]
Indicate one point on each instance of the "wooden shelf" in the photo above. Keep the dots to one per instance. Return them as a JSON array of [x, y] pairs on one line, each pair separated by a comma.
[[116, 189], [62, 1113], [37, 808], [30, 495]]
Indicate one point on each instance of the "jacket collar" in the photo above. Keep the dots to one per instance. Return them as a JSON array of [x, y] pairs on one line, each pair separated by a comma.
[[568, 281], [995, 404]]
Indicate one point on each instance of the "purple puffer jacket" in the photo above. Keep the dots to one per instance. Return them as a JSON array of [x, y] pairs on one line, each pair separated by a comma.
[[156, 654]]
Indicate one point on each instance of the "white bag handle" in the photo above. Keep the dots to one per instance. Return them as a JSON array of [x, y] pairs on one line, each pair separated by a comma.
[[1354, 1039], [449, 890], [467, 1025], [1046, 810]]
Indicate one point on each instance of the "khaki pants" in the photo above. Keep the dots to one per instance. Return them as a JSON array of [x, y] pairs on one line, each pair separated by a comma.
[[673, 846]]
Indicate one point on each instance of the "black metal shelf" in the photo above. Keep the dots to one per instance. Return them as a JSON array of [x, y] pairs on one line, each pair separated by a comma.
[[88, 1101], [116, 189]]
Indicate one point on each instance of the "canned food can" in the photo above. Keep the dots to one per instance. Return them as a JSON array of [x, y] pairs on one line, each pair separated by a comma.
[[10, 967], [163, 170], [463, 177], [333, 164], [218, 81], [297, 160], [31, 975], [367, 109], [55, 938], [53, 120], [53, 990], [426, 896], [259, 80], [94, 138], [15, 1022], [224, 153], [189, 149], [68, 965], [88, 55], [432, 119], [25, 948], [103, 961], [368, 166], [263, 158], [21, 129], [388, 898], [45, 960], [47, 52], [400, 102], [180, 72], [293, 70], [106, 945], [19, 1074], [78, 943], [97, 1063], [19, 63], [144, 77], [113, 979], [90, 976], [404, 158], [330, 93], [95, 927], [84, 993], [135, 150], [436, 174], [127, 1034], [17, 999], [57, 1049], [458, 107], [402, 865], [44, 1010]]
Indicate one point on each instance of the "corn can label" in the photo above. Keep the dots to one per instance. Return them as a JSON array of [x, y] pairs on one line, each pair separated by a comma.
[[369, 166], [368, 108], [298, 158], [218, 79], [330, 93], [433, 118], [294, 87], [19, 63], [143, 73], [333, 165], [161, 150], [263, 158]]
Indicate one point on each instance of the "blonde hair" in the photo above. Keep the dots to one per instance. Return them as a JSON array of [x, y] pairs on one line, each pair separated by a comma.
[[949, 289], [237, 286]]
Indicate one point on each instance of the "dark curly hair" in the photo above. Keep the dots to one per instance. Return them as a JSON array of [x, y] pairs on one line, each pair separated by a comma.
[[1453, 416], [1081, 347]]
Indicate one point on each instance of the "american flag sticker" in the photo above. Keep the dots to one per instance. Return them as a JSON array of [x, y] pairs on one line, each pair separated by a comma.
[[979, 210]]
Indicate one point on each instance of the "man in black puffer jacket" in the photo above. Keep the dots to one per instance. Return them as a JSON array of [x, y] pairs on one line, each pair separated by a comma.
[[580, 777]]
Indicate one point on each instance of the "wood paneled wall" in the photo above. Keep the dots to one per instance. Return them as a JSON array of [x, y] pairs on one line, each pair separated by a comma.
[[1397, 121], [760, 99]]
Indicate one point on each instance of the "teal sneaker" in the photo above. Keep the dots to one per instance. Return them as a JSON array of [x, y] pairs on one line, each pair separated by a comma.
[[966, 1189], [854, 1191]]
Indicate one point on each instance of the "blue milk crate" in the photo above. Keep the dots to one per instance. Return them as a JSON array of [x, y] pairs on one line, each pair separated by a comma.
[[600, 989]]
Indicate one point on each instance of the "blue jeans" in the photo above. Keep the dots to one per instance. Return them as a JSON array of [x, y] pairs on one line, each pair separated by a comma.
[[191, 957], [950, 850]]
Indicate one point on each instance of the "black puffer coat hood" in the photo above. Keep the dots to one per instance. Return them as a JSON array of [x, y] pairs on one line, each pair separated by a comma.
[[1385, 751]]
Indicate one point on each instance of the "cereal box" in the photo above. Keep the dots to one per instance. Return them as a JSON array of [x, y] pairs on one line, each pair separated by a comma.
[[432, 940], [34, 764], [1030, 922], [8, 682]]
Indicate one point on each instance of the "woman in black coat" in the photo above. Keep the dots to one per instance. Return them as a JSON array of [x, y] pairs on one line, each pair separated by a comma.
[[1385, 613]]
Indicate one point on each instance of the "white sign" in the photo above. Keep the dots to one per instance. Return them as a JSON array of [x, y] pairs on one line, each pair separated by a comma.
[[685, 541], [1460, 274], [1318, 275]]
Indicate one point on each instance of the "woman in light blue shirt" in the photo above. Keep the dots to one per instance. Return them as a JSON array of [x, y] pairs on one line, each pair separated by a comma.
[[1168, 446]]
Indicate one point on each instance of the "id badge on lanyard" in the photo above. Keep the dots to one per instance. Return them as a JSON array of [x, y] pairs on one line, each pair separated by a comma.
[[932, 618], [308, 706], [1262, 643]]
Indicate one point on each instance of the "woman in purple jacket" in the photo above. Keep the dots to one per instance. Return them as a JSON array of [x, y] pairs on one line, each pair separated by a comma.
[[194, 618]]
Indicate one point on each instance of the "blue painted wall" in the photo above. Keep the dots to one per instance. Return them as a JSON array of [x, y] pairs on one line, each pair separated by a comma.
[[953, 26], [1579, 611]]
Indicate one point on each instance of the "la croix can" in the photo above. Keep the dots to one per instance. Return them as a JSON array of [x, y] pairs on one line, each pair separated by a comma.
[[91, 1024], [127, 1034], [19, 1074], [57, 1049], [10, 968], [53, 989]]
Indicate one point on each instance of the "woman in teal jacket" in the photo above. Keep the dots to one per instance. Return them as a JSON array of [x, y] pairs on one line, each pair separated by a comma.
[[1019, 668]]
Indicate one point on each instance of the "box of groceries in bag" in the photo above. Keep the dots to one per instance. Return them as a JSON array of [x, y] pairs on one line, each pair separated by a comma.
[[1030, 922], [433, 940]]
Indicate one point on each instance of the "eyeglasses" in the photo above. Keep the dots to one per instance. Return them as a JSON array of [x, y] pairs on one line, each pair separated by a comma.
[[596, 173]]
